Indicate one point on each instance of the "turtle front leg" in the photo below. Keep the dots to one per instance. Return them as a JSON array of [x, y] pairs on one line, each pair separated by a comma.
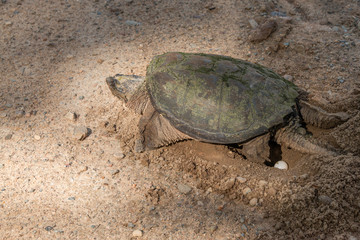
[[156, 131], [257, 149]]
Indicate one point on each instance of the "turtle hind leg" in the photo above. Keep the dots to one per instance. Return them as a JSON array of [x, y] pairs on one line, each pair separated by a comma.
[[319, 117], [291, 138], [156, 131]]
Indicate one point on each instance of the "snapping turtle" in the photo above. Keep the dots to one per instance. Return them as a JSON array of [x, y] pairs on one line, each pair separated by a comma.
[[219, 99]]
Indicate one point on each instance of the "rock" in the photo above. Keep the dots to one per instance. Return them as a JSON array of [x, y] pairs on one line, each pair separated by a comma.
[[253, 202], [37, 137], [81, 98], [139, 146], [246, 190], [263, 183], [244, 227], [272, 191], [253, 23], [119, 155], [8, 23], [325, 199], [241, 179], [227, 184], [281, 165], [19, 113], [137, 233], [288, 77], [71, 116], [263, 31], [81, 132], [3, 115], [132, 23], [8, 137], [131, 225], [278, 14], [185, 189]]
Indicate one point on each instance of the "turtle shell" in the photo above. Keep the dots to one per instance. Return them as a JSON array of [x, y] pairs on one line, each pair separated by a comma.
[[218, 99]]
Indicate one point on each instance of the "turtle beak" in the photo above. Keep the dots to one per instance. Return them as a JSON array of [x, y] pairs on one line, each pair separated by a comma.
[[116, 88]]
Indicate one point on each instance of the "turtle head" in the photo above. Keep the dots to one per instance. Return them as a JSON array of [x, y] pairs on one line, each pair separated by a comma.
[[123, 86]]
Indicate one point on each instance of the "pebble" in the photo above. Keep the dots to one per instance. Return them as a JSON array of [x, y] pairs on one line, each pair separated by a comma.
[[244, 227], [185, 189], [81, 132], [3, 115], [253, 202], [253, 23], [241, 179], [288, 77], [49, 228], [263, 183], [19, 113], [272, 191], [139, 146], [263, 31], [137, 233], [8, 137], [281, 165], [132, 23], [37, 137], [325, 199], [71, 116], [278, 14], [81, 97], [119, 155], [8, 23], [246, 190], [71, 198], [131, 225]]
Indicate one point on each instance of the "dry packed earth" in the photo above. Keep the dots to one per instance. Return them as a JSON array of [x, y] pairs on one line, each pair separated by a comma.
[[68, 169]]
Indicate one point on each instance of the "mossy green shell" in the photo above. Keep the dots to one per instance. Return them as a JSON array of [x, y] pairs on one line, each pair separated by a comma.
[[218, 99]]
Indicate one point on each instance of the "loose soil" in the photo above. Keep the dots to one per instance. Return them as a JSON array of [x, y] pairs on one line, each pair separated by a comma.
[[55, 56]]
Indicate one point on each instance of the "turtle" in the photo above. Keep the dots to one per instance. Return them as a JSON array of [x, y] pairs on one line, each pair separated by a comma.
[[221, 100]]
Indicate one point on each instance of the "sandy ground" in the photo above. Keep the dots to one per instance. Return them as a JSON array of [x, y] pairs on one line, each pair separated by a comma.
[[55, 56]]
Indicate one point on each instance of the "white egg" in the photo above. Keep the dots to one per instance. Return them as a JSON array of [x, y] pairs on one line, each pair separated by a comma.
[[281, 165]]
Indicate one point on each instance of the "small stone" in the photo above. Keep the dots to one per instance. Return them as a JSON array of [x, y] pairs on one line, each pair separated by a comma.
[[8, 137], [246, 190], [244, 227], [281, 165], [137, 233], [19, 113], [81, 97], [199, 203], [325, 199], [301, 131], [132, 23], [241, 179], [139, 146], [185, 189], [49, 228], [263, 31], [253, 202], [263, 183], [288, 77], [253, 23], [119, 155], [272, 191], [100, 61], [213, 228], [131, 225], [70, 56], [37, 137], [8, 23], [3, 115], [71, 116], [71, 198], [81, 132]]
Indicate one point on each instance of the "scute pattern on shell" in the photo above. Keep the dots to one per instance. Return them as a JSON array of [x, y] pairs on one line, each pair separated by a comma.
[[216, 98]]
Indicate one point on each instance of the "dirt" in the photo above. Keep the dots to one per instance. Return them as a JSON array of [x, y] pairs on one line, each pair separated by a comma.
[[55, 56]]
